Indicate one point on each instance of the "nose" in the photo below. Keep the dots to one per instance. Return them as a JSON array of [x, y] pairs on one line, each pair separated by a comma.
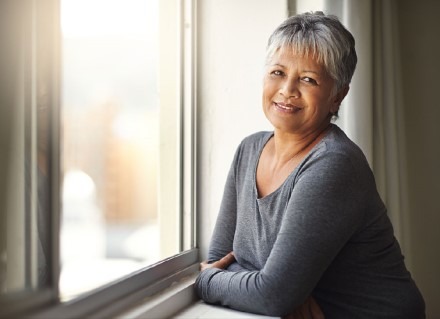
[[290, 88]]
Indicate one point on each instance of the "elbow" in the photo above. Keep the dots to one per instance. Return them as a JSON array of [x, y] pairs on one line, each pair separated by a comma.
[[277, 301], [272, 303], [275, 308], [279, 304]]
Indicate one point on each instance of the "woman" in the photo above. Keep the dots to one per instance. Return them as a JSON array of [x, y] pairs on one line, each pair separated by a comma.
[[309, 233]]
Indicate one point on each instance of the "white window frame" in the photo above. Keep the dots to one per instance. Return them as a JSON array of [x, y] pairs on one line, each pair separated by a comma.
[[118, 296]]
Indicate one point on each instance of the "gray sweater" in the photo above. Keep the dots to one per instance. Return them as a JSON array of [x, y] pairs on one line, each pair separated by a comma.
[[324, 232]]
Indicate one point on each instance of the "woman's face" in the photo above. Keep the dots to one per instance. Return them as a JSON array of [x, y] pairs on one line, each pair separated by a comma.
[[298, 95]]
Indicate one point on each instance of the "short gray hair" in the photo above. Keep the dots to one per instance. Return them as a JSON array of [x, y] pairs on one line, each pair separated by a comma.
[[322, 36]]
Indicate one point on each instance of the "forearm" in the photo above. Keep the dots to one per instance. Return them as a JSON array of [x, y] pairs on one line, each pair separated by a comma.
[[238, 291], [309, 309], [236, 267], [249, 291]]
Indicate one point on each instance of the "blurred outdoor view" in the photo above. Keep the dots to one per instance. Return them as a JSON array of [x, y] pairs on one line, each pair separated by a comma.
[[110, 129]]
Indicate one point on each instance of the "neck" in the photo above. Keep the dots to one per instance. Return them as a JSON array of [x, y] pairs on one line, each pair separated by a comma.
[[289, 146]]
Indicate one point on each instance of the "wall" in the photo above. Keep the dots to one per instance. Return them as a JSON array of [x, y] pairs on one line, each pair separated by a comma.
[[231, 41], [420, 52]]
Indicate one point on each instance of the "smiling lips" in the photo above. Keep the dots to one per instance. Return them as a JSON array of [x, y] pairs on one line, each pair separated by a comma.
[[287, 107]]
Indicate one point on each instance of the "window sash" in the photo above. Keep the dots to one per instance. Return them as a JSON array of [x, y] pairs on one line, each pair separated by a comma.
[[121, 294], [33, 85], [45, 88]]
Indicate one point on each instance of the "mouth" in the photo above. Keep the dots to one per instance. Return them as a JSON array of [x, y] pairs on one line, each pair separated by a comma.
[[285, 107]]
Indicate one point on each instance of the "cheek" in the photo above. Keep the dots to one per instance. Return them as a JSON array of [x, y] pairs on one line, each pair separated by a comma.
[[265, 100], [321, 99], [265, 94], [268, 90]]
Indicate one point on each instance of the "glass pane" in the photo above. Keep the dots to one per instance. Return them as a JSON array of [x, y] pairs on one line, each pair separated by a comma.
[[118, 149]]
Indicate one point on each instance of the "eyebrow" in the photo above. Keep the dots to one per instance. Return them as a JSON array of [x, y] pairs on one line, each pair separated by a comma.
[[310, 71], [305, 71], [277, 64]]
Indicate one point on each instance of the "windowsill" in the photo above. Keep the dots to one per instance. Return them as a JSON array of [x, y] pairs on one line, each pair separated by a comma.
[[200, 310], [166, 303], [172, 295], [181, 300], [161, 290]]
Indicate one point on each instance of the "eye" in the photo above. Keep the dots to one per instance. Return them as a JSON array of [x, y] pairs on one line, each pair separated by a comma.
[[309, 80], [277, 73]]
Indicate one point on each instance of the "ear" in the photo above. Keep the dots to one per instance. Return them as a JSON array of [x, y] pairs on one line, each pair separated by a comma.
[[339, 97]]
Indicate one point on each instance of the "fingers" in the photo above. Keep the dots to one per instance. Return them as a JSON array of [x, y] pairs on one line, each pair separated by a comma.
[[315, 309], [225, 261], [222, 263], [297, 314], [204, 265], [308, 310]]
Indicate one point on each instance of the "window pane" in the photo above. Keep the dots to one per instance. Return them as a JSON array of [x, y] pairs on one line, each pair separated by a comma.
[[119, 150]]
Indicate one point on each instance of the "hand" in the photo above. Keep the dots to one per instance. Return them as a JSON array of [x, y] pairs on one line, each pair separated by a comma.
[[222, 263], [308, 310]]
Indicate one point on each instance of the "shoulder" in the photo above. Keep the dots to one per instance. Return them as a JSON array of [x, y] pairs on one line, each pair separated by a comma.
[[258, 138], [336, 159], [254, 143], [337, 151], [338, 142], [249, 151]]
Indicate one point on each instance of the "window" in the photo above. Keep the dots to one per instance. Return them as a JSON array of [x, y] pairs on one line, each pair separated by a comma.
[[121, 191], [301, 6], [97, 165]]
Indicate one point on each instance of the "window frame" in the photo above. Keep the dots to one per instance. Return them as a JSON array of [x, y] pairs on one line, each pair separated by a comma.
[[121, 294], [115, 297], [34, 83]]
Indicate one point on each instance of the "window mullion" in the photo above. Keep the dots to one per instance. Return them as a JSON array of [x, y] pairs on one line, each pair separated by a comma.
[[189, 143]]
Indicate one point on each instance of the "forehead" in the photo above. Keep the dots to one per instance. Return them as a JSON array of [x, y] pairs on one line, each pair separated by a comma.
[[287, 56]]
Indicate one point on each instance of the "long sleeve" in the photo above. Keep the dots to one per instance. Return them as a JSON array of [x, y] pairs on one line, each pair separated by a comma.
[[223, 235], [321, 215], [324, 231]]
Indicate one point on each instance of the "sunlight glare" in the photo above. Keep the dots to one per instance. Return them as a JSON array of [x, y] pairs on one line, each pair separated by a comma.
[[91, 18]]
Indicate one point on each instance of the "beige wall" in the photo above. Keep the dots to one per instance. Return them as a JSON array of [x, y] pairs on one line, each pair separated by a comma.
[[232, 39], [419, 27]]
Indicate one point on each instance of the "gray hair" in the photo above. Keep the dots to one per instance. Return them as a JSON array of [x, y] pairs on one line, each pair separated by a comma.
[[322, 36]]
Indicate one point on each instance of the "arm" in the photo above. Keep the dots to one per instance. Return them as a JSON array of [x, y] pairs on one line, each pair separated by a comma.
[[221, 263], [224, 230], [308, 310], [322, 214]]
